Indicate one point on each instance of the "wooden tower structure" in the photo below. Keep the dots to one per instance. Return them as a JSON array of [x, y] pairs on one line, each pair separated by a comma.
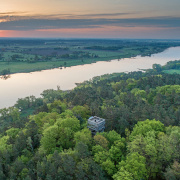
[[96, 124]]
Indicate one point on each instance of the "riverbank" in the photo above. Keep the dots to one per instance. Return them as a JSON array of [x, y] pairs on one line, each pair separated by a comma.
[[22, 57], [21, 85], [25, 67]]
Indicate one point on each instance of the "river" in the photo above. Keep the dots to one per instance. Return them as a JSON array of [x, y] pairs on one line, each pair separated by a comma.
[[21, 85]]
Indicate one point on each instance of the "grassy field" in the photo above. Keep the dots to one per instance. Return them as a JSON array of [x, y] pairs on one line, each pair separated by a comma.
[[172, 71], [34, 55], [30, 67]]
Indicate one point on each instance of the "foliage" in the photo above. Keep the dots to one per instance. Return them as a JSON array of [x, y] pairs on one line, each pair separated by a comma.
[[83, 136], [133, 168], [141, 138], [143, 128]]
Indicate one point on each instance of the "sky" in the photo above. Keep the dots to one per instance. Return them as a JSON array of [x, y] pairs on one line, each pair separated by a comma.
[[155, 19]]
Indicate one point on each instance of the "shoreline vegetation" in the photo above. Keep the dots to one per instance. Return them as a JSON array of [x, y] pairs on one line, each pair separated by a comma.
[[24, 56], [171, 68]]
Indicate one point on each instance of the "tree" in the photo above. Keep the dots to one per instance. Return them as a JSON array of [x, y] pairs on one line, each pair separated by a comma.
[[38, 118], [49, 139], [83, 136], [50, 95], [57, 106], [157, 67], [133, 168], [82, 111], [123, 175], [4, 145], [117, 151], [103, 159], [81, 150], [14, 113], [100, 140], [174, 139], [146, 147], [173, 172], [12, 132], [2, 175], [60, 135], [88, 169], [142, 128], [111, 136]]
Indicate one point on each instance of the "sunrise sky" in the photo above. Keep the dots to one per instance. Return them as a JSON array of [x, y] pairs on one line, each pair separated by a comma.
[[155, 19]]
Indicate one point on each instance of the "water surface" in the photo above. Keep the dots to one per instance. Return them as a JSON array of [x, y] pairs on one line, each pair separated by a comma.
[[25, 84]]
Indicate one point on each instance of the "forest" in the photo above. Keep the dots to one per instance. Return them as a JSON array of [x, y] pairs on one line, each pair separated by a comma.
[[47, 138]]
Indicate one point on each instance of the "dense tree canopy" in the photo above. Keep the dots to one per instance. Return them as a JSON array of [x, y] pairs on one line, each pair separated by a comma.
[[47, 138]]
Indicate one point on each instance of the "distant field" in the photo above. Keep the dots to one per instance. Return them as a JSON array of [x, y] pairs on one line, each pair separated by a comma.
[[30, 67], [172, 71], [32, 55]]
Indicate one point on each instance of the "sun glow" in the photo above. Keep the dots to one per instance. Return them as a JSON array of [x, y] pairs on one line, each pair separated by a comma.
[[99, 32], [128, 17], [5, 33]]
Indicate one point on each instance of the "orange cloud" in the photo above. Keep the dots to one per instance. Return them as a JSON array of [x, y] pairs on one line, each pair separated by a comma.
[[109, 32], [99, 32], [4, 33]]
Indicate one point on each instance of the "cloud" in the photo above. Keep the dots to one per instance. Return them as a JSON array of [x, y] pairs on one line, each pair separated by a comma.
[[105, 15], [11, 13], [52, 22], [25, 15]]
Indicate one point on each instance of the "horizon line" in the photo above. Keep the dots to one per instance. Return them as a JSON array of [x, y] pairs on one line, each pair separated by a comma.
[[83, 38]]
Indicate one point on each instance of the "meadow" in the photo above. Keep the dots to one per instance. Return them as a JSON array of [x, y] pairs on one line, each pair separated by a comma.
[[27, 55]]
